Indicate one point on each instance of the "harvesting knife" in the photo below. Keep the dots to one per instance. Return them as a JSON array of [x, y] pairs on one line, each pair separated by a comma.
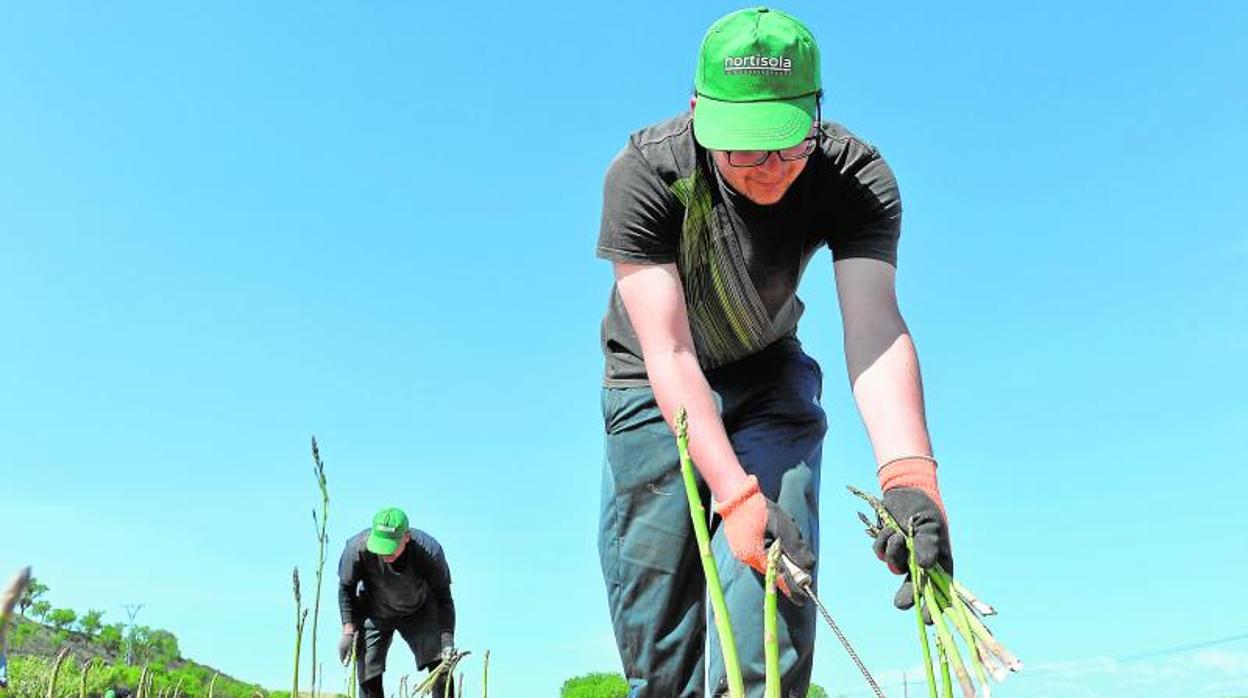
[[805, 583]]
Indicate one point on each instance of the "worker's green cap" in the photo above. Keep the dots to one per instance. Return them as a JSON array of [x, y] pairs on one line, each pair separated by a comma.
[[757, 82], [389, 525]]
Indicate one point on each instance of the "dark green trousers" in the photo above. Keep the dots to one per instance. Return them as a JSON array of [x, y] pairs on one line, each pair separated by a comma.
[[420, 631], [655, 585]]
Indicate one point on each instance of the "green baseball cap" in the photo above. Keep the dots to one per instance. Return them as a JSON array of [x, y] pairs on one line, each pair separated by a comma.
[[389, 525], [757, 82]]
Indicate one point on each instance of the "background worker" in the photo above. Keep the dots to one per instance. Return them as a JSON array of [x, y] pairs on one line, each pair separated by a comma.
[[393, 578], [709, 220]]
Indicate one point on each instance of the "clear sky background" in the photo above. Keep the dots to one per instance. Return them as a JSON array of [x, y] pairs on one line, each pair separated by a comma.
[[225, 227]]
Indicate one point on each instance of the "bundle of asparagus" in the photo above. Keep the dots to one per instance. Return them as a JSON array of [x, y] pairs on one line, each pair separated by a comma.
[[946, 602], [444, 668]]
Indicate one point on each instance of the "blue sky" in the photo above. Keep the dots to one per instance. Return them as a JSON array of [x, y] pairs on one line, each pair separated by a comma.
[[226, 227]]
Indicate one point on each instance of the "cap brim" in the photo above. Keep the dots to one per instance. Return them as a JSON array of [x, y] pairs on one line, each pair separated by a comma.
[[772, 125], [381, 546]]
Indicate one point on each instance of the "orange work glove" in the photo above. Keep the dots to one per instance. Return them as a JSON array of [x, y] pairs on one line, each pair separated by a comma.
[[911, 494], [752, 522]]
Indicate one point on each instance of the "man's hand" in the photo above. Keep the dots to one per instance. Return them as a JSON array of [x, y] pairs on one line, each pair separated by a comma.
[[448, 646], [345, 643], [911, 495], [752, 522]]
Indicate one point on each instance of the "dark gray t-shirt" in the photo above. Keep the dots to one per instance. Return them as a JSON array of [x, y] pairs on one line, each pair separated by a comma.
[[371, 587], [740, 263]]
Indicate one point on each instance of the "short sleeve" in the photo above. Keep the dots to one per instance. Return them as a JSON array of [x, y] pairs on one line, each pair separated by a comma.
[[871, 224], [640, 214], [431, 564], [348, 574]]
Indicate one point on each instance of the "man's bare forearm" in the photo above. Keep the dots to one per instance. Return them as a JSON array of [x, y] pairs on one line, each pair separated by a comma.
[[882, 362], [889, 393], [678, 381]]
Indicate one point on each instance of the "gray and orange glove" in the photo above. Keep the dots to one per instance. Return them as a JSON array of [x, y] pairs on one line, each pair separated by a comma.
[[911, 494], [752, 522], [345, 644]]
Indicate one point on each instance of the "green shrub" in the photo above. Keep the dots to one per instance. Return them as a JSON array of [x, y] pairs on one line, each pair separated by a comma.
[[112, 636], [90, 622], [62, 618], [595, 685], [608, 685]]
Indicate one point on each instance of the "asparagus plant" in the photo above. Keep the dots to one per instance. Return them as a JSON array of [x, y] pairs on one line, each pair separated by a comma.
[[352, 683], [485, 677], [771, 638], [301, 616], [723, 622], [87, 666], [916, 576], [322, 539], [56, 671], [946, 681]]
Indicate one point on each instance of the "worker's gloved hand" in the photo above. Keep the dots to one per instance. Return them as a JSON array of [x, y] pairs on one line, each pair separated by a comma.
[[911, 494], [344, 647], [448, 646], [752, 522]]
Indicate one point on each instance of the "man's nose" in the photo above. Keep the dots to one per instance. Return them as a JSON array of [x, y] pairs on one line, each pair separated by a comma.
[[773, 164]]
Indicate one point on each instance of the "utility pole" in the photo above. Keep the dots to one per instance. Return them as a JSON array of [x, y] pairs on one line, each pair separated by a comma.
[[132, 610], [905, 685]]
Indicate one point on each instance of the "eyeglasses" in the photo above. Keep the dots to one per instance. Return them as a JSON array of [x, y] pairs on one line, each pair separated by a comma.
[[754, 158]]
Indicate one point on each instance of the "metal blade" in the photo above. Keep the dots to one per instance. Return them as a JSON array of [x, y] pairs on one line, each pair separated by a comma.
[[803, 580]]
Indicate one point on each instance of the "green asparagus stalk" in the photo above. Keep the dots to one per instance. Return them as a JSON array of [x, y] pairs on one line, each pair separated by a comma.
[[87, 666], [991, 663], [958, 614], [322, 539], [353, 682], [771, 638], [723, 623], [942, 632], [56, 671], [946, 682], [997, 659], [916, 579], [301, 615], [972, 600], [984, 636]]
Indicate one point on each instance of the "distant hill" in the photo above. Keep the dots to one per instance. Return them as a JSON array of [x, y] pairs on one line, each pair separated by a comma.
[[33, 647]]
